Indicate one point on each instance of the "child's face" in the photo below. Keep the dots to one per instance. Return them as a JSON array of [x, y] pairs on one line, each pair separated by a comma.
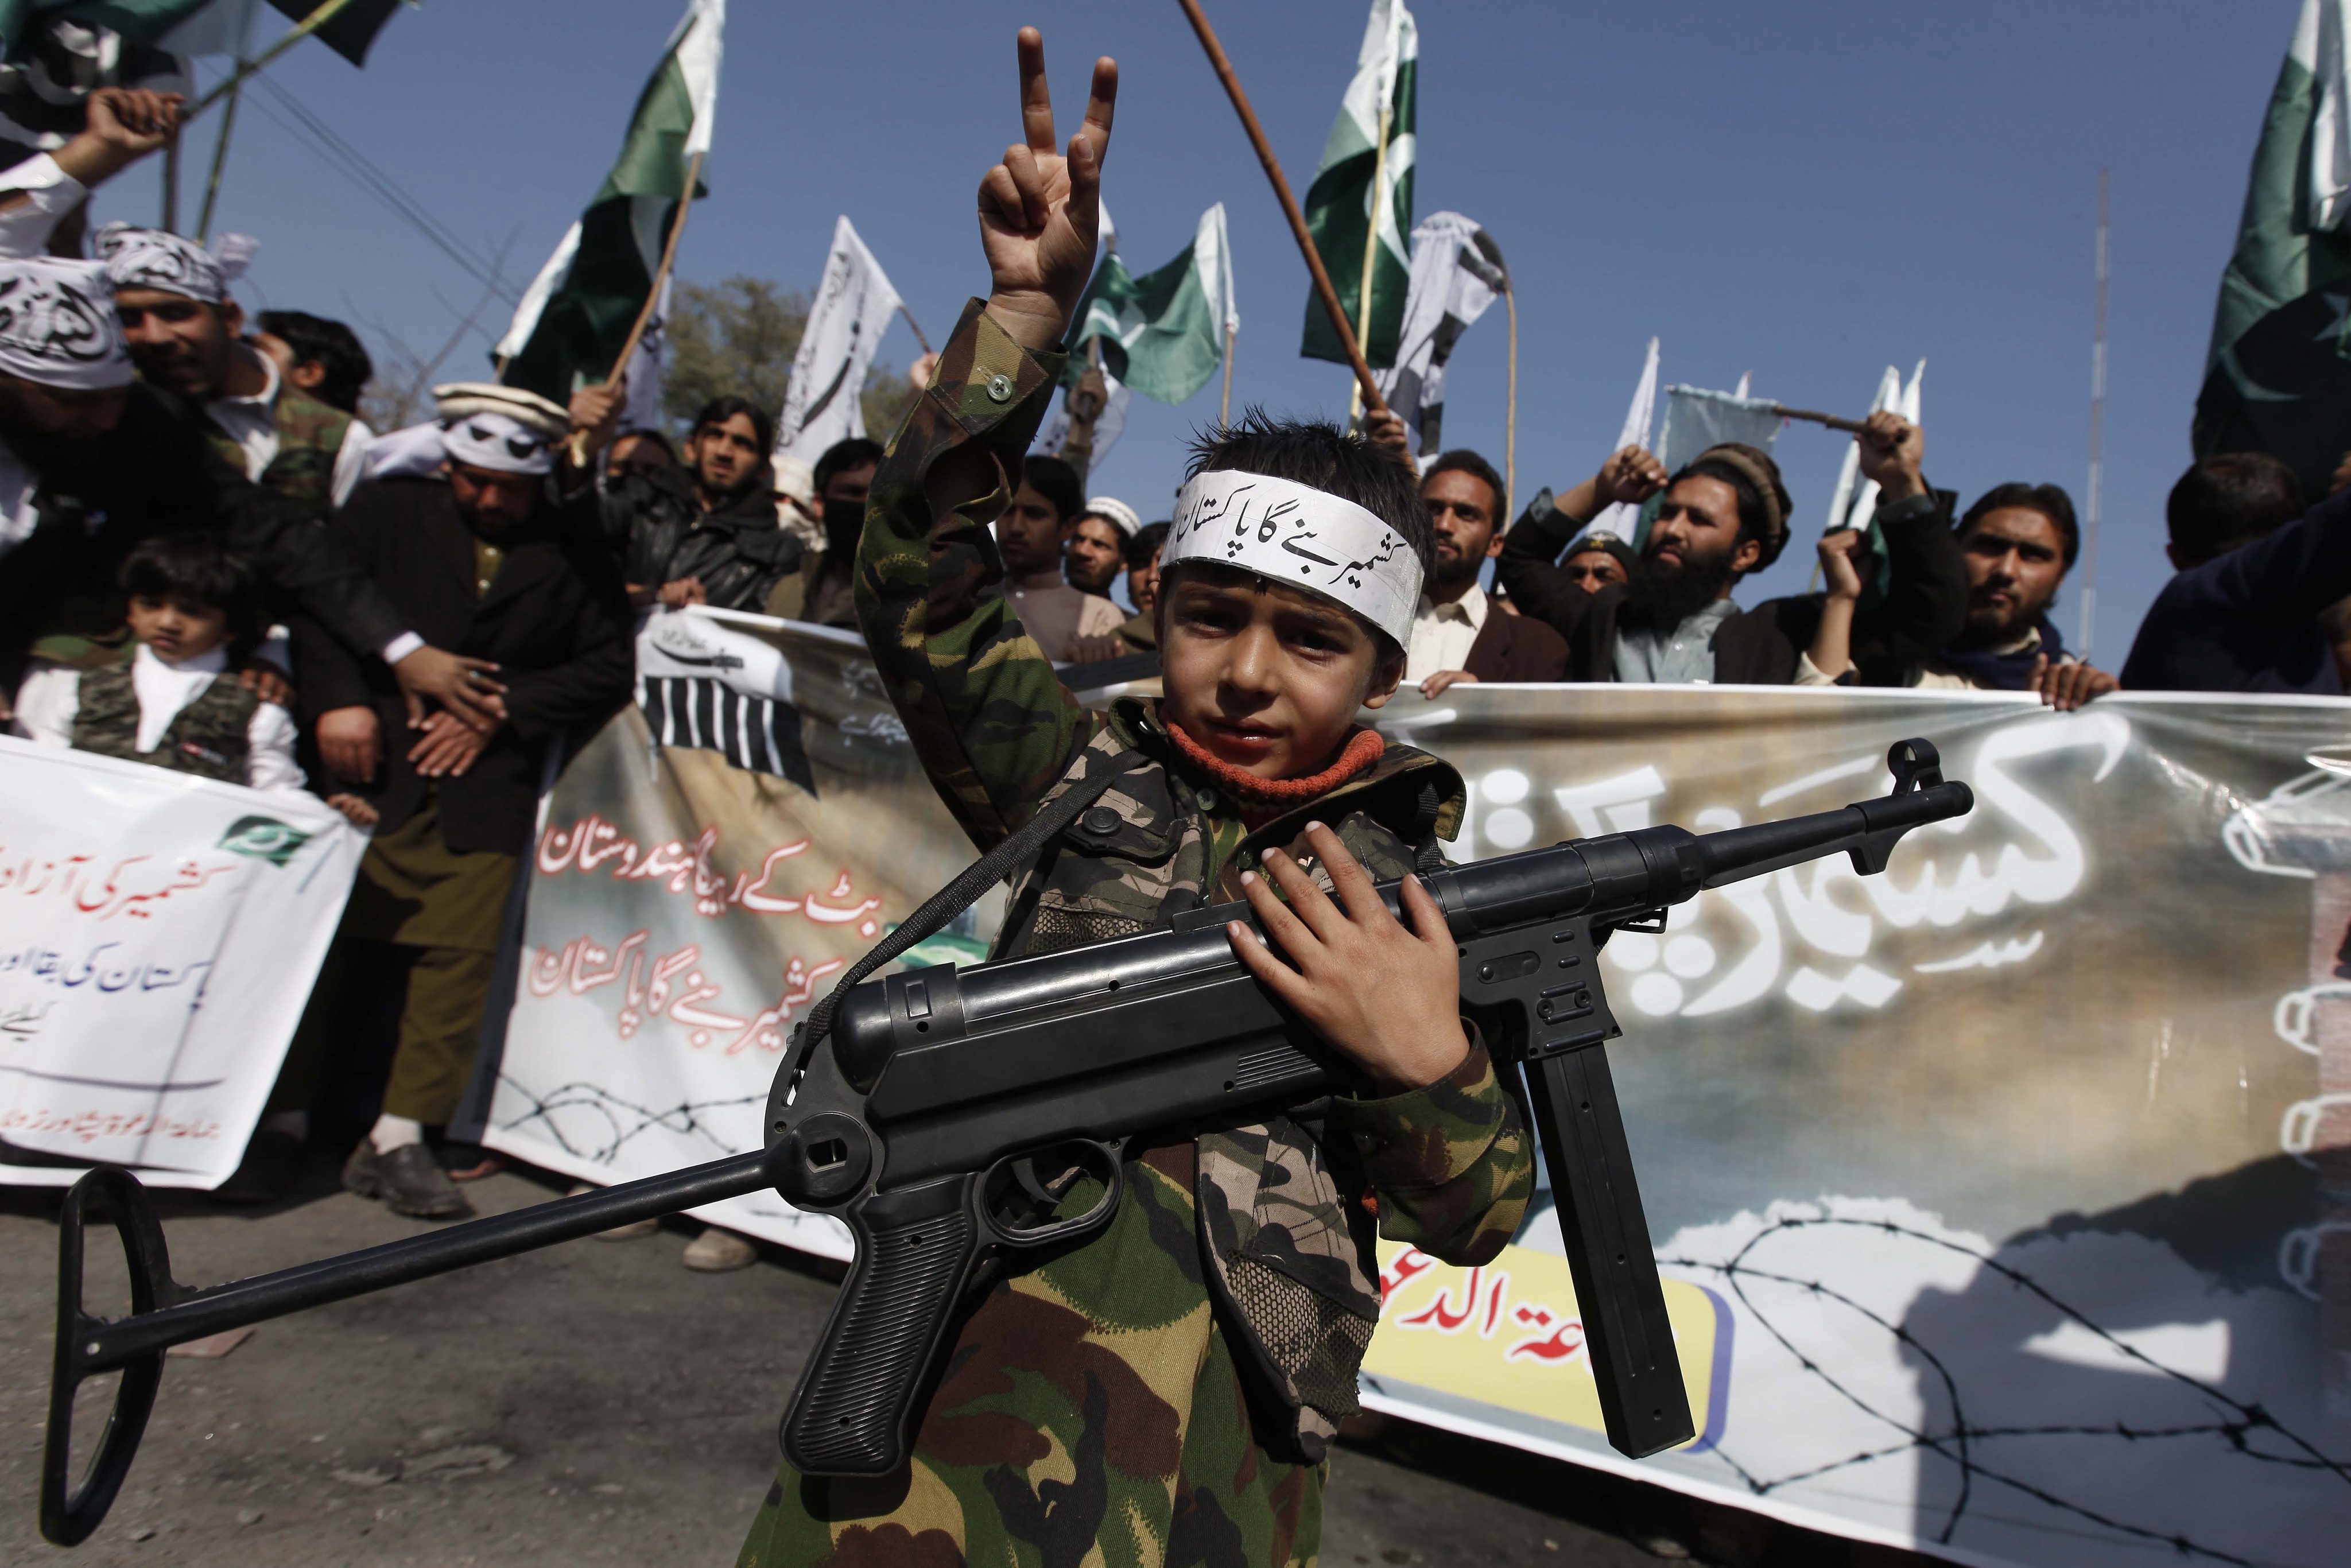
[[1265, 676], [176, 630]]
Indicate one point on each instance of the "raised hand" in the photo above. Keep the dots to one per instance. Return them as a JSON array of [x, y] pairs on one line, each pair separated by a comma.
[[1632, 475], [1039, 213], [1838, 570], [1893, 454]]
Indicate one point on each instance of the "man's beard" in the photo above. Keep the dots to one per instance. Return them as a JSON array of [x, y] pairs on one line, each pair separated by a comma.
[[1453, 571], [1659, 597]]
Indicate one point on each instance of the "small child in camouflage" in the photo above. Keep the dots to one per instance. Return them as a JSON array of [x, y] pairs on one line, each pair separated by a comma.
[[1166, 1392]]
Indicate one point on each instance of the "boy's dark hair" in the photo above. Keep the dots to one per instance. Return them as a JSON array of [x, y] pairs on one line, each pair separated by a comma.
[[1317, 453], [1461, 460], [194, 572], [841, 455], [1058, 482], [647, 433], [1755, 514], [1147, 542], [331, 345], [2228, 500], [2049, 500], [719, 410]]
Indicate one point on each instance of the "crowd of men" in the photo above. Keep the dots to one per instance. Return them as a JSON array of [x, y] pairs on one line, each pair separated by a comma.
[[208, 562]]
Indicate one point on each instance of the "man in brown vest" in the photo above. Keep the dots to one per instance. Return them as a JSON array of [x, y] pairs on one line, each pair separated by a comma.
[[186, 333]]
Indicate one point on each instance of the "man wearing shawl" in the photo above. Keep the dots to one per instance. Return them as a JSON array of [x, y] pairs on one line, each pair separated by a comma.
[[186, 333]]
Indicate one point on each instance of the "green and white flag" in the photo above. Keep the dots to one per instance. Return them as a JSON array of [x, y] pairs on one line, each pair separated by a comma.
[[1161, 334], [1341, 201], [2278, 376], [572, 322], [197, 26]]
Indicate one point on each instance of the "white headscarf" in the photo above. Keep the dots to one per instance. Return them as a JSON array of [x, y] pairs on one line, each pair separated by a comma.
[[155, 258], [58, 325], [483, 425]]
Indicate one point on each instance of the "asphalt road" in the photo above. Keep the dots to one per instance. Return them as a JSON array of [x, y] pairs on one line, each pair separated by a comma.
[[597, 1403]]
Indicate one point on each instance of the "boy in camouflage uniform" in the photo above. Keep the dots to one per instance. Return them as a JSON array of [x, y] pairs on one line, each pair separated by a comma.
[[1165, 1392]]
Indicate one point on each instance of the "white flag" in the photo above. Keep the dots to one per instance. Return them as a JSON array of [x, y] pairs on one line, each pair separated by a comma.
[[1891, 394], [1456, 273], [1621, 517], [852, 309], [1697, 419]]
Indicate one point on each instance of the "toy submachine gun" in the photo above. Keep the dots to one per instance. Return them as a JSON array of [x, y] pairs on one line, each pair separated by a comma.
[[925, 1116]]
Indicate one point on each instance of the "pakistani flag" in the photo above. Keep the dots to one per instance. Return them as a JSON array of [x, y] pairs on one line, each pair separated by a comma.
[[195, 26], [1161, 334], [2278, 377], [572, 324], [1340, 203]]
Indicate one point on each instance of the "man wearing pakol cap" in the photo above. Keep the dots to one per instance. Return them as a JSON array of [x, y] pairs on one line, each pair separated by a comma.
[[1166, 1391], [1722, 517], [92, 462], [475, 553], [186, 333]]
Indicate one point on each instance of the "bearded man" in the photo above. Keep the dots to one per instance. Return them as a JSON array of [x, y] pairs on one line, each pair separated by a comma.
[[1722, 517]]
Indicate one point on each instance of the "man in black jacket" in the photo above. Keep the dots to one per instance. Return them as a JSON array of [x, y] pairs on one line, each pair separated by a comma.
[[93, 463], [1725, 516], [2255, 574], [479, 557], [707, 536]]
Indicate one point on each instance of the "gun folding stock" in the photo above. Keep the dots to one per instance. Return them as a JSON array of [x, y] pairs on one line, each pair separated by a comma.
[[955, 1119]]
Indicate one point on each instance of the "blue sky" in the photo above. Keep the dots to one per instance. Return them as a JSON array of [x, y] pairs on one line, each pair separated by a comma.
[[1808, 192]]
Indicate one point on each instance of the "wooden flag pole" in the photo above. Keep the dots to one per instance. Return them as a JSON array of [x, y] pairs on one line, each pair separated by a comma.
[[1370, 252], [1814, 416], [1225, 403], [652, 298], [170, 223], [326, 13], [913, 327], [1365, 387]]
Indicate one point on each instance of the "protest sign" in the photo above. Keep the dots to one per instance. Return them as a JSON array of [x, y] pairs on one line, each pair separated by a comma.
[[1987, 1192], [159, 934]]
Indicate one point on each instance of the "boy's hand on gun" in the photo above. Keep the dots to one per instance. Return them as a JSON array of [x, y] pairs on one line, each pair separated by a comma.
[[1039, 213], [1388, 997]]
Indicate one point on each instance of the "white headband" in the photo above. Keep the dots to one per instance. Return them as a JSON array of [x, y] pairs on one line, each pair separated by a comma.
[[1310, 539], [152, 258], [58, 325], [497, 442]]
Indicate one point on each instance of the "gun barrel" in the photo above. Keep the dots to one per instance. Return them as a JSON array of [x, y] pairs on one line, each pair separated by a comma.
[[1736, 854]]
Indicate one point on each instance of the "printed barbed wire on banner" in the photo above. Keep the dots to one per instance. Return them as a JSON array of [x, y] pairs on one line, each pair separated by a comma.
[[1958, 1444], [624, 1118]]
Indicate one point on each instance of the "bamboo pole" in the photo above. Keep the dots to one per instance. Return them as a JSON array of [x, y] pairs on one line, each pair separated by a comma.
[[1365, 387], [1370, 251], [1225, 403], [220, 162], [652, 298], [170, 223], [1510, 412], [327, 11]]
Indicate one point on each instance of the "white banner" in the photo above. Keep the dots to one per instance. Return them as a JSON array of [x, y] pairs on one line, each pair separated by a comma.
[[852, 309], [159, 934]]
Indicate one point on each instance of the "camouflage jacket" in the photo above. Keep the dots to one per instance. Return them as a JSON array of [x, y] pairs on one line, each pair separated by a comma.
[[208, 737], [1282, 1224], [309, 438]]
